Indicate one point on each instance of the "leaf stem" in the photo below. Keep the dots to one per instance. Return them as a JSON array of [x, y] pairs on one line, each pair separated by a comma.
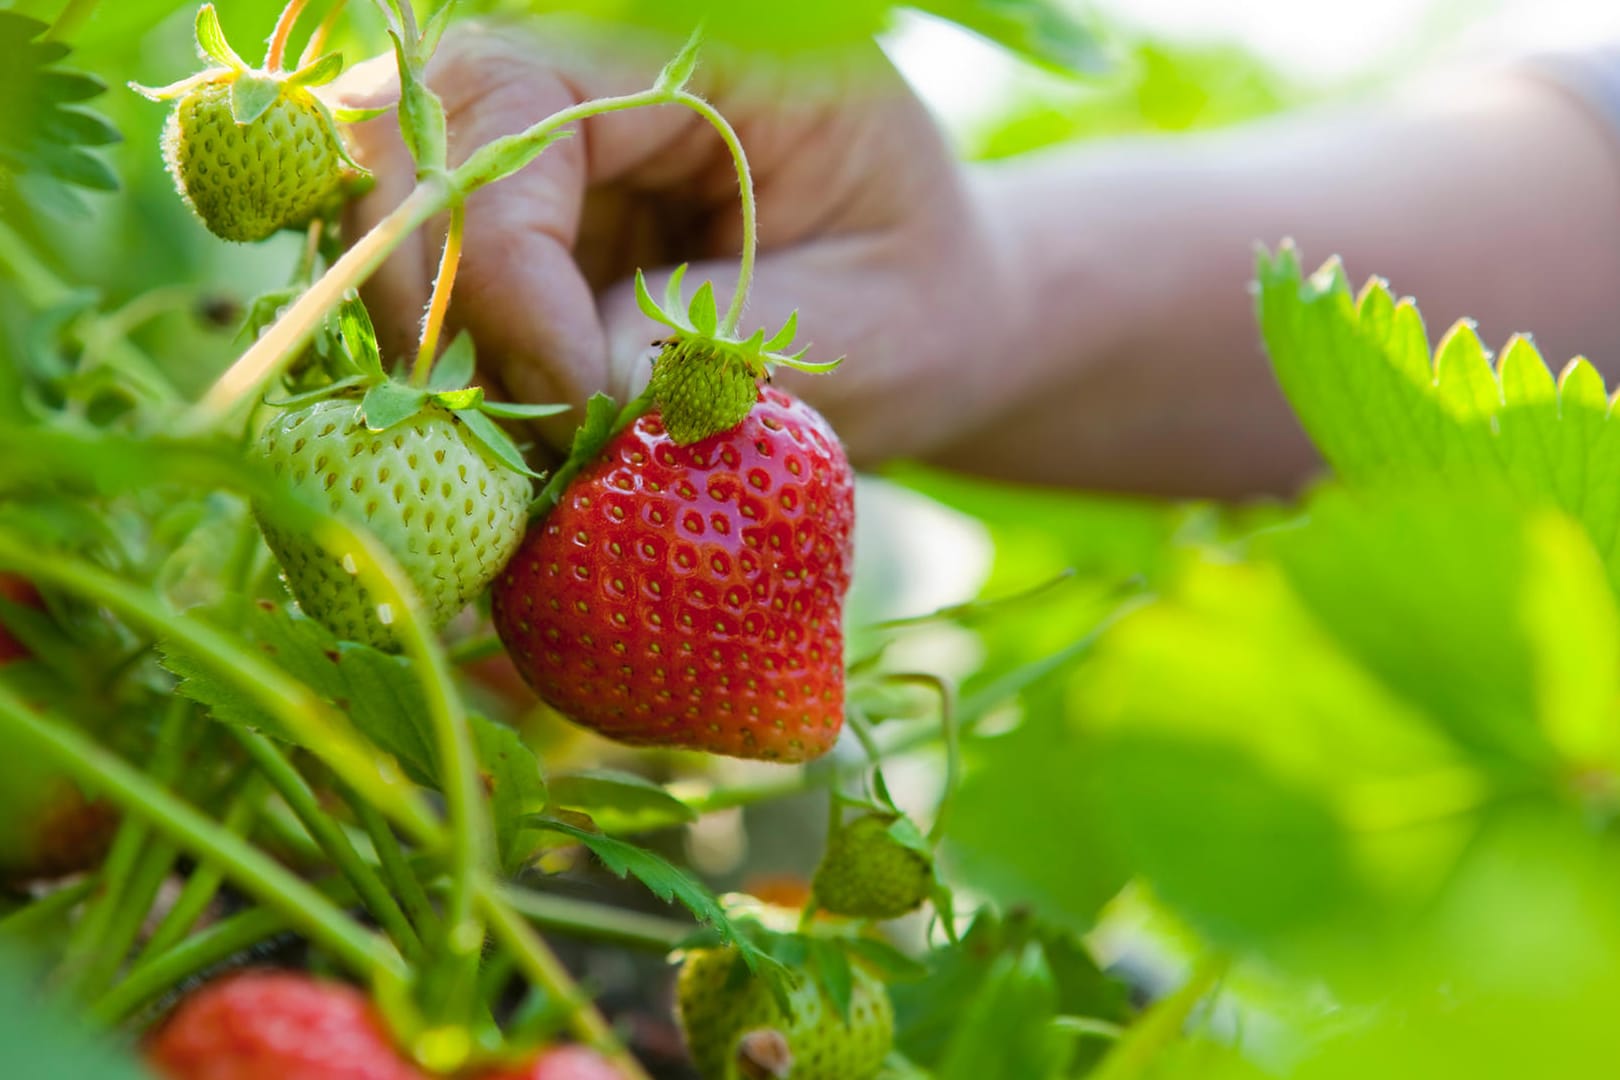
[[296, 793], [54, 742], [277, 51], [541, 965], [440, 303], [580, 918], [396, 867], [317, 39], [155, 974]]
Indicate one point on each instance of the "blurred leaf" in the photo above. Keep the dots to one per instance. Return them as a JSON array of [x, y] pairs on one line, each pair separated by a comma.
[[40, 126], [454, 369], [1038, 30], [511, 777], [1006, 1032], [619, 802], [45, 1041]]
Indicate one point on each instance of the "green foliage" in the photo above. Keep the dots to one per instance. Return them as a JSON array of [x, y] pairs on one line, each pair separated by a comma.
[[619, 802], [44, 1040], [44, 126]]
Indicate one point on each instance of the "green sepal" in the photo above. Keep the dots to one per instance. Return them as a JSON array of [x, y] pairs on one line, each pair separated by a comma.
[[435, 27], [502, 157], [515, 410], [360, 338], [830, 963], [211, 40], [678, 72], [389, 403], [309, 397], [359, 116], [468, 397], [421, 113], [704, 314], [178, 89], [319, 72], [342, 146], [454, 369], [497, 441], [251, 97]]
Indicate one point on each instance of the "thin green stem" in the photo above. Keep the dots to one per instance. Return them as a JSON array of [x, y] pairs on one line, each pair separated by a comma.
[[541, 965], [56, 743], [27, 922], [156, 863], [1132, 1056], [473, 649], [153, 976], [203, 884], [953, 743], [745, 186], [396, 866], [297, 708], [443, 284], [297, 794], [594, 922]]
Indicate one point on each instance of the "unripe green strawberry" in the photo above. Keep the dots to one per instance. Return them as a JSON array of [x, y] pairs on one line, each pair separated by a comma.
[[433, 495], [868, 872], [247, 181], [715, 1014]]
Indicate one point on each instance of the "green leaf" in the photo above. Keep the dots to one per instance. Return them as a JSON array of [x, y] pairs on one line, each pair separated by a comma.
[[359, 336], [455, 368], [1047, 33], [421, 113], [703, 313], [664, 880], [44, 1039], [678, 72], [517, 791], [497, 441], [620, 802], [470, 397], [389, 403], [41, 127], [1006, 1031], [211, 40], [829, 962], [512, 410], [1381, 410], [252, 95], [379, 692]]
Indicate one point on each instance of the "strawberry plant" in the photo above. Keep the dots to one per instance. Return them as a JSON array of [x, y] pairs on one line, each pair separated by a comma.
[[1316, 790]]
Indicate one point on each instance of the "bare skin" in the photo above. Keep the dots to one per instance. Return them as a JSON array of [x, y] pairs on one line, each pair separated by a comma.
[[1079, 318]]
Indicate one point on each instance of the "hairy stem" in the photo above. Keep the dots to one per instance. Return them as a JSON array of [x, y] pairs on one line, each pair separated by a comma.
[[433, 323], [269, 356], [317, 40], [745, 187], [277, 51]]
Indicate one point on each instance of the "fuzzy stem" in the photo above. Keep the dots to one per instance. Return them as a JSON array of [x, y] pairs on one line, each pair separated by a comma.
[[269, 356], [541, 965], [745, 187], [439, 305], [55, 743], [277, 51], [296, 793]]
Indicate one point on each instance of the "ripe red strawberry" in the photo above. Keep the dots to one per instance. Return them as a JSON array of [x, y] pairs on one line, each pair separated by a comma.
[[692, 596], [276, 1026], [561, 1063]]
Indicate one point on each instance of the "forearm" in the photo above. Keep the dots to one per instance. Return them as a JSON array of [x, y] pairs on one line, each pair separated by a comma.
[[1148, 375]]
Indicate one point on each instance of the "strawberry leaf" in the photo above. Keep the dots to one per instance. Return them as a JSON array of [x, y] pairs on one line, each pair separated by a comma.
[[211, 40], [251, 97], [497, 441], [389, 403], [454, 369], [664, 880], [620, 802]]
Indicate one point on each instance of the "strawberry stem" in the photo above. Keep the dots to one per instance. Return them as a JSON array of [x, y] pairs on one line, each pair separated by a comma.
[[277, 51], [745, 187], [317, 40], [443, 283]]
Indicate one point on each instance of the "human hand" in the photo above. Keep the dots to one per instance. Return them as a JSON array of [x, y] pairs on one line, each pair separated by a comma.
[[867, 227]]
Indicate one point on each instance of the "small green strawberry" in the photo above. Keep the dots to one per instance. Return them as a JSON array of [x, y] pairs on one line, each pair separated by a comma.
[[876, 867], [717, 1010], [439, 500], [253, 151]]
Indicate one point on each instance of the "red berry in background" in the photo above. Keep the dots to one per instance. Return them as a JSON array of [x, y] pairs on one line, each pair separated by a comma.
[[18, 590], [692, 596], [561, 1063], [276, 1026]]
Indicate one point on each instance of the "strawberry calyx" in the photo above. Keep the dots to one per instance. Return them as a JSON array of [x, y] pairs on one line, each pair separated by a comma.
[[386, 402], [254, 90], [705, 378]]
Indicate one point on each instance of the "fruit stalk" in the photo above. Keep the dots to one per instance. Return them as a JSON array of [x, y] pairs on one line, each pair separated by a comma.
[[277, 51], [750, 217]]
